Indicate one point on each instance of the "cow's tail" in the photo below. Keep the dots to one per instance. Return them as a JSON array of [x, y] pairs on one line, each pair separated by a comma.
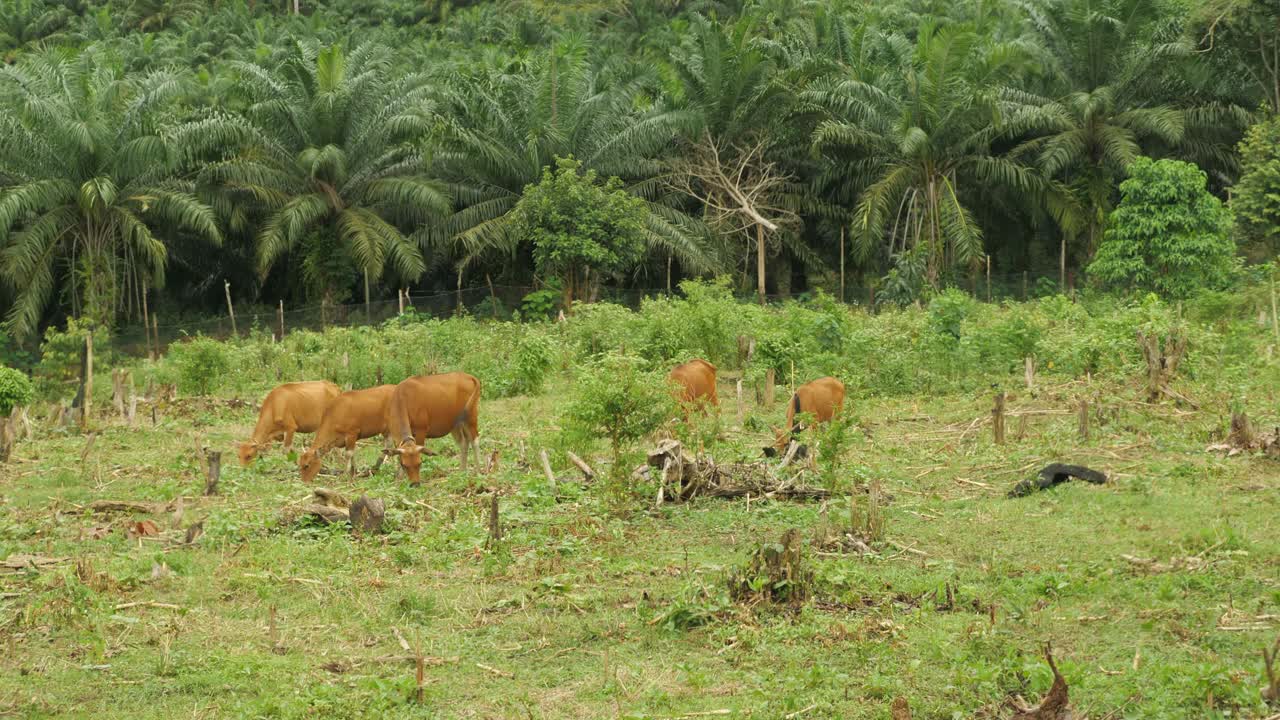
[[795, 425], [464, 415]]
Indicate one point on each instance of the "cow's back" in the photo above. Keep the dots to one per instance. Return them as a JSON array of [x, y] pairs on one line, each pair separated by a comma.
[[697, 379], [305, 402], [359, 412], [823, 398], [433, 404]]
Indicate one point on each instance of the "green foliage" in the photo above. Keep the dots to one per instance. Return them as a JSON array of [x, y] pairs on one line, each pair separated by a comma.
[[617, 399], [577, 224], [1168, 234], [200, 362], [16, 390], [59, 367], [1255, 198]]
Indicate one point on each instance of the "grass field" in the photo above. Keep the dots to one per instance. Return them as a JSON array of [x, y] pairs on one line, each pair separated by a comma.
[[1157, 590]]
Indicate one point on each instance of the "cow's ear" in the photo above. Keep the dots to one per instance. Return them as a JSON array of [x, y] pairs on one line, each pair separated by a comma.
[[421, 448], [398, 451]]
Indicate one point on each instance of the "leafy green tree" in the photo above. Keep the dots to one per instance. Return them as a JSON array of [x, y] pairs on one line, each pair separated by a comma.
[[578, 225], [94, 182], [1246, 36], [338, 158], [1256, 196], [1168, 234]]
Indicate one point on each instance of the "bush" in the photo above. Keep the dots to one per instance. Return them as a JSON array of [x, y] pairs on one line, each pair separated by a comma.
[[200, 363], [16, 390], [617, 399], [59, 366], [1168, 235]]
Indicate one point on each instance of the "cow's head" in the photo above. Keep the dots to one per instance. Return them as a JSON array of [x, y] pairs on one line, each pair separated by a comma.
[[780, 439], [309, 463], [410, 454], [248, 452]]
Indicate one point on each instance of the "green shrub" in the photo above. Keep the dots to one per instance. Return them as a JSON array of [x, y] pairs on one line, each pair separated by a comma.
[[200, 363], [1168, 235], [16, 390], [1255, 199], [59, 368], [617, 399]]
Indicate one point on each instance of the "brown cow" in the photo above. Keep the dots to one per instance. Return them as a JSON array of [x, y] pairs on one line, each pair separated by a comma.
[[353, 415], [290, 408], [432, 406], [823, 398], [696, 381]]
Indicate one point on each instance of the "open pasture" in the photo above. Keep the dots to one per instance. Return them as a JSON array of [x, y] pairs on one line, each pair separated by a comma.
[[1156, 590]]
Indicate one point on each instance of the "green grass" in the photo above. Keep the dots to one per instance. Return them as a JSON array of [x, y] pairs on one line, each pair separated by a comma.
[[585, 614]]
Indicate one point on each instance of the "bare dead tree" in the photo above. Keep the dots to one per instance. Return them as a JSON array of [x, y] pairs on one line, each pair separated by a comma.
[[739, 189]]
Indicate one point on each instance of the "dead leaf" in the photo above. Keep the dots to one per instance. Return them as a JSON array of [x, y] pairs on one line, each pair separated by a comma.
[[1055, 705], [145, 528]]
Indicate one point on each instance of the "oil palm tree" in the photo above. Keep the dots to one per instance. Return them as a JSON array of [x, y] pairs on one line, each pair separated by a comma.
[[913, 127], [338, 164], [95, 181], [501, 128]]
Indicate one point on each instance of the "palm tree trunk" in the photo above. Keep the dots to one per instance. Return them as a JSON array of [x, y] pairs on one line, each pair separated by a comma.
[[368, 316], [1062, 265], [760, 261]]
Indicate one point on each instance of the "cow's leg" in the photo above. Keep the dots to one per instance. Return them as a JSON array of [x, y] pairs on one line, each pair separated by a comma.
[[463, 446], [475, 445], [386, 448], [351, 458]]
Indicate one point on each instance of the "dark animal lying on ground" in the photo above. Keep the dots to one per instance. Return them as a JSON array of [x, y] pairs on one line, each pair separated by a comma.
[[1053, 474]]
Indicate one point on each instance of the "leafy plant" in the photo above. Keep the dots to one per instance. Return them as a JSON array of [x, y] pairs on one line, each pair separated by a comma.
[[1168, 234], [578, 226], [200, 362], [16, 390]]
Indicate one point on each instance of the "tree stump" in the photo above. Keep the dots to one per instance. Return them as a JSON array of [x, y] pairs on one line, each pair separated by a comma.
[[367, 515], [1162, 362], [997, 419], [213, 466], [495, 525], [1242, 435], [1082, 419]]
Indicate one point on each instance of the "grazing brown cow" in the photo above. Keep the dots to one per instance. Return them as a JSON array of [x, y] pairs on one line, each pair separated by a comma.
[[290, 408], [696, 381], [432, 406], [823, 398], [353, 415]]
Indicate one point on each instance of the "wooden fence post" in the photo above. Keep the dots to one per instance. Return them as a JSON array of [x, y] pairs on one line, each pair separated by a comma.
[[997, 418], [146, 325], [741, 410], [87, 380], [1029, 370], [280, 316], [988, 278], [226, 286], [768, 387], [843, 297], [155, 330]]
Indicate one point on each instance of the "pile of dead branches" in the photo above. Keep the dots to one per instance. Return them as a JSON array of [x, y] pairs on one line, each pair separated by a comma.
[[682, 476]]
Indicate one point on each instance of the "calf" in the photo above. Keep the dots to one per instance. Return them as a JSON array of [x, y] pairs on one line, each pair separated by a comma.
[[823, 398], [353, 415], [695, 383], [432, 406], [290, 408]]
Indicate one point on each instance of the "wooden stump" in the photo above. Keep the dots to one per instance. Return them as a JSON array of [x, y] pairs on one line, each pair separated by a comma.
[[367, 515], [997, 418], [1242, 435], [768, 387], [495, 525], [775, 572], [213, 467], [1162, 362]]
